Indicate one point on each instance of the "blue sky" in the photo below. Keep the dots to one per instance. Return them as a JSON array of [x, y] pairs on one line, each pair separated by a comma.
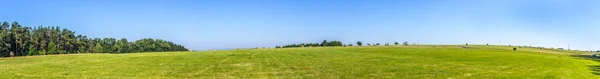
[[218, 24]]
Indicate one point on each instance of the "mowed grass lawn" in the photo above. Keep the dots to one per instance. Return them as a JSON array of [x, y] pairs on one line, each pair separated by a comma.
[[413, 62]]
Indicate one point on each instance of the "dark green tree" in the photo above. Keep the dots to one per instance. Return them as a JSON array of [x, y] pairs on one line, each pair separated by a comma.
[[98, 48], [52, 48], [32, 51], [324, 43], [122, 46], [108, 44], [5, 39]]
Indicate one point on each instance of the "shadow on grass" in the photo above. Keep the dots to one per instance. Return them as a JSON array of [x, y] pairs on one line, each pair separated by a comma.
[[595, 68]]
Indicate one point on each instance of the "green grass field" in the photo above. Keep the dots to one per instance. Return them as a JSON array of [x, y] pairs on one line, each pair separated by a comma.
[[413, 62]]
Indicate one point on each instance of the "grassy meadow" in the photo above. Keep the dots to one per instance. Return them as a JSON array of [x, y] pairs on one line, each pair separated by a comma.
[[412, 62]]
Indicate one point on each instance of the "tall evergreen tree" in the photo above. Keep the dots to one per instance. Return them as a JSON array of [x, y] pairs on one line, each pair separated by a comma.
[[5, 39], [52, 48], [98, 48]]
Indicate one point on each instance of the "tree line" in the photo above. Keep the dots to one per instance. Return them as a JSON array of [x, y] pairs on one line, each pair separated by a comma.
[[333, 43], [324, 43], [18, 40]]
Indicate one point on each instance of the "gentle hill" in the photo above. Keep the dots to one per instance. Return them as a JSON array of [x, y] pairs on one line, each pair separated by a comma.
[[415, 62]]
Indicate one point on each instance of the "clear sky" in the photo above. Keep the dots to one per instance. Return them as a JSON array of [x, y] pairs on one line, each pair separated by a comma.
[[219, 24]]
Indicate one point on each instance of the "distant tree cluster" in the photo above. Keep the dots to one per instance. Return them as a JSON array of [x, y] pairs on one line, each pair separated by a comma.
[[324, 43], [336, 43], [299, 45], [331, 43], [17, 40]]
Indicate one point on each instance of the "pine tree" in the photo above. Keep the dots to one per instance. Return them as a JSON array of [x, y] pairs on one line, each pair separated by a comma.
[[52, 48], [98, 48], [32, 51]]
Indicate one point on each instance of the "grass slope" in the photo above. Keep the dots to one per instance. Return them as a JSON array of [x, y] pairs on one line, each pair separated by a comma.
[[430, 62]]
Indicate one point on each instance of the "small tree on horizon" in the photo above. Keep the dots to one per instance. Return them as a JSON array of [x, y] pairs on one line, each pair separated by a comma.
[[405, 43], [359, 43], [324, 43], [396, 43], [377, 44]]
